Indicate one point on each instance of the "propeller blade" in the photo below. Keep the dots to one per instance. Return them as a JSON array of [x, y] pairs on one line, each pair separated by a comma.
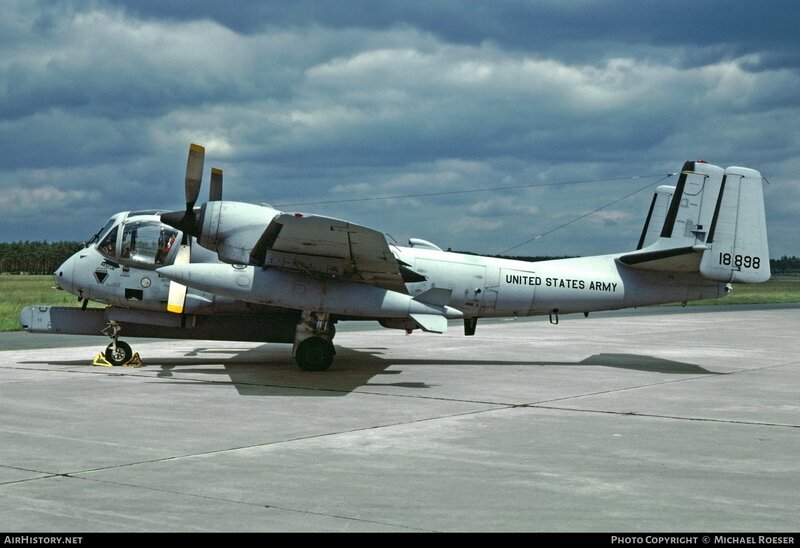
[[177, 292], [215, 192], [194, 174]]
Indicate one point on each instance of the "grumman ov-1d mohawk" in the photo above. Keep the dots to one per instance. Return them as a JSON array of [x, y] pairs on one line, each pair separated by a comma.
[[256, 273]]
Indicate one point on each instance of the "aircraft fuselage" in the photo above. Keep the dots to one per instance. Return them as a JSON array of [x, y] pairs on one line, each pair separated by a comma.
[[487, 286]]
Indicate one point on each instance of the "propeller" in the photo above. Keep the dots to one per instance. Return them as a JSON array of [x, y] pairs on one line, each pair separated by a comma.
[[215, 192], [187, 221], [194, 175]]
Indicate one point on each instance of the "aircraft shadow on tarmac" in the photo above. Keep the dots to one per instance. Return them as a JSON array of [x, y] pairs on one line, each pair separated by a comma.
[[269, 370]]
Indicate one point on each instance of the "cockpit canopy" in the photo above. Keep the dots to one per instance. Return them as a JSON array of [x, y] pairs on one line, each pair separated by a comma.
[[138, 239]]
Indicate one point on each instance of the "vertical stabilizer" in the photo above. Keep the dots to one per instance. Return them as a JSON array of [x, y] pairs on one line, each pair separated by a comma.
[[691, 210], [656, 215], [736, 244]]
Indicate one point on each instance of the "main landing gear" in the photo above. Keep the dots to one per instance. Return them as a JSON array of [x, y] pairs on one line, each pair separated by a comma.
[[313, 347]]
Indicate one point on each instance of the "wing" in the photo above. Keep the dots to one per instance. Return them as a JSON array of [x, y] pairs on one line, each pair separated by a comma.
[[324, 245]]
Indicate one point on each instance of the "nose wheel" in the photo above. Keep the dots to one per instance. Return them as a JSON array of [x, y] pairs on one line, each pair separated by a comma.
[[117, 352]]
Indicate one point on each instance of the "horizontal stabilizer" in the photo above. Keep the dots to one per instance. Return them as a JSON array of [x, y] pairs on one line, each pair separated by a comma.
[[432, 323], [678, 259], [436, 296]]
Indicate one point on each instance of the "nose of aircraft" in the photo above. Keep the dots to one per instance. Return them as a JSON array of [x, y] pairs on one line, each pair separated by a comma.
[[63, 275]]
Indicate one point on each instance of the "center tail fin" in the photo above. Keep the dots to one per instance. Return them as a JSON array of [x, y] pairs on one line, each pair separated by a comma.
[[656, 215], [715, 225]]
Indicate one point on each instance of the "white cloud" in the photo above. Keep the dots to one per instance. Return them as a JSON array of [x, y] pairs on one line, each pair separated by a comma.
[[610, 216], [470, 225], [503, 206], [19, 202]]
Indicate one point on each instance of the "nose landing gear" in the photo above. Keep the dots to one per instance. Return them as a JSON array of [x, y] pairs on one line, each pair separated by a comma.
[[118, 352]]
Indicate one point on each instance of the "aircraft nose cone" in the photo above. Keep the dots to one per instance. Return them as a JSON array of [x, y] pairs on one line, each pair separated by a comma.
[[64, 274], [55, 277]]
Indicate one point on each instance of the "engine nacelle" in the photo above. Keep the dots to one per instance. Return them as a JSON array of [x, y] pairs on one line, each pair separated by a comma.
[[232, 229]]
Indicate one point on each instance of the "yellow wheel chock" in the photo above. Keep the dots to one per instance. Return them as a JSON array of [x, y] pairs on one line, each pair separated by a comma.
[[135, 361], [101, 361]]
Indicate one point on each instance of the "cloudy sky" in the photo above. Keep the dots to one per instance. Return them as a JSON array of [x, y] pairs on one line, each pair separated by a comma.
[[321, 103]]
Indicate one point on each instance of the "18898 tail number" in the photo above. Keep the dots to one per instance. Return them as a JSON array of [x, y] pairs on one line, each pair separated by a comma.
[[746, 261]]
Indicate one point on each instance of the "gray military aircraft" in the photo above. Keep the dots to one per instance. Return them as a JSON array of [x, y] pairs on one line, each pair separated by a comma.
[[258, 274]]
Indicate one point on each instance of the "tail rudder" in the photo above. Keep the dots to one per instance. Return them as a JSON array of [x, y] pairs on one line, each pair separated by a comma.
[[737, 249], [691, 210]]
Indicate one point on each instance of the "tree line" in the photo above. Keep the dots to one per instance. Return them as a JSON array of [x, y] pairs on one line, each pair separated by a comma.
[[44, 257], [35, 257]]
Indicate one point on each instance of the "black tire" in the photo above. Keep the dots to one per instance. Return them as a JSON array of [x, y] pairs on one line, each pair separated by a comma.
[[314, 354], [121, 356]]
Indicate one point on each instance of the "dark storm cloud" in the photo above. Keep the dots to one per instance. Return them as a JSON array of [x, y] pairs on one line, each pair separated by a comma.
[[521, 23], [314, 101]]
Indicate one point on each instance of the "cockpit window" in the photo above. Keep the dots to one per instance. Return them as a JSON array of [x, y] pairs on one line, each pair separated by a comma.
[[147, 242], [109, 243], [100, 232]]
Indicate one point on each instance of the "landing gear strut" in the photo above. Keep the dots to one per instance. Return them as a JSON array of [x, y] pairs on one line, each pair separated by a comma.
[[313, 346], [118, 352]]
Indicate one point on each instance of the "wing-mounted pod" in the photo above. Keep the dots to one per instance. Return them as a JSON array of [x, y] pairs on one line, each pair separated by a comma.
[[283, 288]]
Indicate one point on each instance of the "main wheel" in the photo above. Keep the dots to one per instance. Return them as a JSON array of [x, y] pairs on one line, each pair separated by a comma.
[[121, 355], [314, 354]]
